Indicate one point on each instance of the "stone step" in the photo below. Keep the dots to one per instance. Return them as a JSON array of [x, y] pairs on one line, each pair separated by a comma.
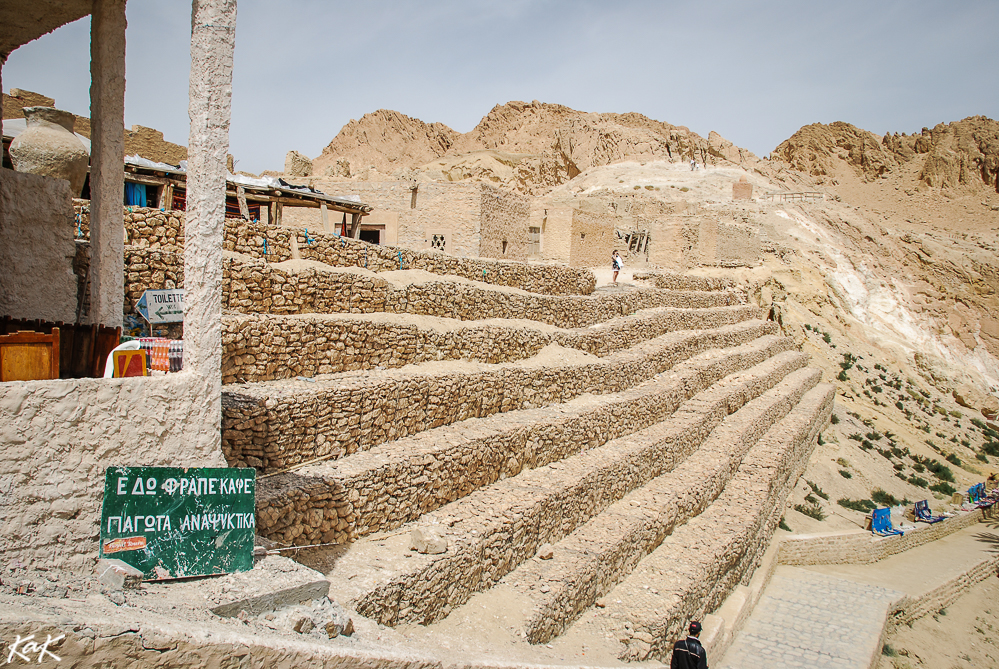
[[274, 425], [395, 483], [695, 568], [495, 529], [294, 287], [597, 556], [262, 347]]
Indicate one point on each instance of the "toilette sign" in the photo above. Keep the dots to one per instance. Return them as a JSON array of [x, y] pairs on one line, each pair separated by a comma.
[[162, 306], [171, 522]]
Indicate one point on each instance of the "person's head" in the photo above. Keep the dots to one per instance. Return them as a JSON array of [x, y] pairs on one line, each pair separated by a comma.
[[615, 251], [695, 628]]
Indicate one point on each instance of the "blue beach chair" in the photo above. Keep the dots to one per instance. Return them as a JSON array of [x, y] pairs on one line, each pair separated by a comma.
[[881, 523], [924, 515]]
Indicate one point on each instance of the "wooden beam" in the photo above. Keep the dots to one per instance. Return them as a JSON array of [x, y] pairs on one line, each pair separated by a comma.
[[279, 209], [143, 179], [355, 226]]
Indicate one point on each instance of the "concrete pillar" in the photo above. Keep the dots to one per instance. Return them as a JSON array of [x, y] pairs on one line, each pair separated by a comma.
[[213, 39], [107, 155]]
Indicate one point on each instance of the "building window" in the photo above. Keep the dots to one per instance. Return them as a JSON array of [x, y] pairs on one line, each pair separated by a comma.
[[504, 247], [438, 242]]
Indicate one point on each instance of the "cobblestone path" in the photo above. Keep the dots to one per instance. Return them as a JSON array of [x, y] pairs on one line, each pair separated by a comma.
[[805, 619]]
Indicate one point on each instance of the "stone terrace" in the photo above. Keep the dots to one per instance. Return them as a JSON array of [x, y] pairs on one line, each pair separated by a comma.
[[563, 447]]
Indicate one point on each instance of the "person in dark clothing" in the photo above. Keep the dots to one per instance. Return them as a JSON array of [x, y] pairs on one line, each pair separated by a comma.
[[689, 653]]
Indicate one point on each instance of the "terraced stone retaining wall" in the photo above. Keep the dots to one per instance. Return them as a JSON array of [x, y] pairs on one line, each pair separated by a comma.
[[164, 230], [397, 482], [263, 348], [670, 281], [722, 547], [289, 422], [258, 287]]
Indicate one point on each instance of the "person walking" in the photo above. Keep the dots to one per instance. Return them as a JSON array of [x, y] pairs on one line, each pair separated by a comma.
[[689, 653], [616, 264], [693, 164]]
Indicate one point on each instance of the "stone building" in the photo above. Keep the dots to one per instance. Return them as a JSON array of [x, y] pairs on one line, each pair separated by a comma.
[[474, 220], [572, 236]]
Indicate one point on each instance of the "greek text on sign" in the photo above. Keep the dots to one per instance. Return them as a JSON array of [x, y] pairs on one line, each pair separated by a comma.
[[170, 522], [162, 306]]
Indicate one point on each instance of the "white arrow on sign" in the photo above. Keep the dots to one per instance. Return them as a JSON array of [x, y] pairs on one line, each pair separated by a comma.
[[162, 306]]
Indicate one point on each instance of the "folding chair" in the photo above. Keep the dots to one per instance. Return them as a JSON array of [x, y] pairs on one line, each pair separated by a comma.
[[881, 523], [924, 515]]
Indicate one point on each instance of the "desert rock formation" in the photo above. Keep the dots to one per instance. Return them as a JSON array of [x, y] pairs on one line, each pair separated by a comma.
[[528, 147]]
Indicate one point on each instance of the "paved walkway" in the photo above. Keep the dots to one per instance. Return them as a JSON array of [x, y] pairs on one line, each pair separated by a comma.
[[833, 615], [807, 619]]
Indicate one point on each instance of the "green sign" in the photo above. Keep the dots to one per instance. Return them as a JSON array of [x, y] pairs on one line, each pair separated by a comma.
[[170, 522]]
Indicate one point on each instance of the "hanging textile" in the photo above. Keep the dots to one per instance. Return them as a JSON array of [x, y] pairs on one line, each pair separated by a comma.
[[135, 195]]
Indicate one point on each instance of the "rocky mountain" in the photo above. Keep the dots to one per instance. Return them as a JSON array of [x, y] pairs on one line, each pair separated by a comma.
[[385, 140], [530, 147], [951, 155]]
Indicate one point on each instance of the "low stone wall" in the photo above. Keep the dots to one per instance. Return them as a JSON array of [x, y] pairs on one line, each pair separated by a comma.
[[283, 423], [258, 287], [670, 281], [863, 547], [264, 348], [911, 608], [164, 230], [430, 469]]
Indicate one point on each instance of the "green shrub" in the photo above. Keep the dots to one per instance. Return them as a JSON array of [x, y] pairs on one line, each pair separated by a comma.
[[811, 510], [816, 489], [918, 481], [977, 422], [842, 376], [991, 448], [782, 525], [874, 436], [856, 436], [943, 487], [899, 406], [899, 466], [827, 338], [883, 498], [834, 419], [956, 414], [845, 474], [862, 505], [684, 189], [982, 457], [953, 459]]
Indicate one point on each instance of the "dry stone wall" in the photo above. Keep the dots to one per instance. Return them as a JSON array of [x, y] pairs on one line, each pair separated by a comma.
[[164, 230], [283, 423], [507, 523], [395, 482], [719, 549], [258, 287], [264, 348]]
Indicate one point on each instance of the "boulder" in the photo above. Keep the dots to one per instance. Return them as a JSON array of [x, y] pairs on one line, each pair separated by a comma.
[[428, 540]]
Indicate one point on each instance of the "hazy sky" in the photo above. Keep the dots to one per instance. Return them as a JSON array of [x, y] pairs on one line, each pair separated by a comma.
[[753, 71]]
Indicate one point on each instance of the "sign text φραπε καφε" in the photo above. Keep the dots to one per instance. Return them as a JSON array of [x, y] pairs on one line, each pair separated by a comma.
[[172, 522]]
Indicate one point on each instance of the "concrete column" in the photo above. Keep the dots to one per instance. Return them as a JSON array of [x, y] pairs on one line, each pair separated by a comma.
[[107, 154], [213, 39]]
